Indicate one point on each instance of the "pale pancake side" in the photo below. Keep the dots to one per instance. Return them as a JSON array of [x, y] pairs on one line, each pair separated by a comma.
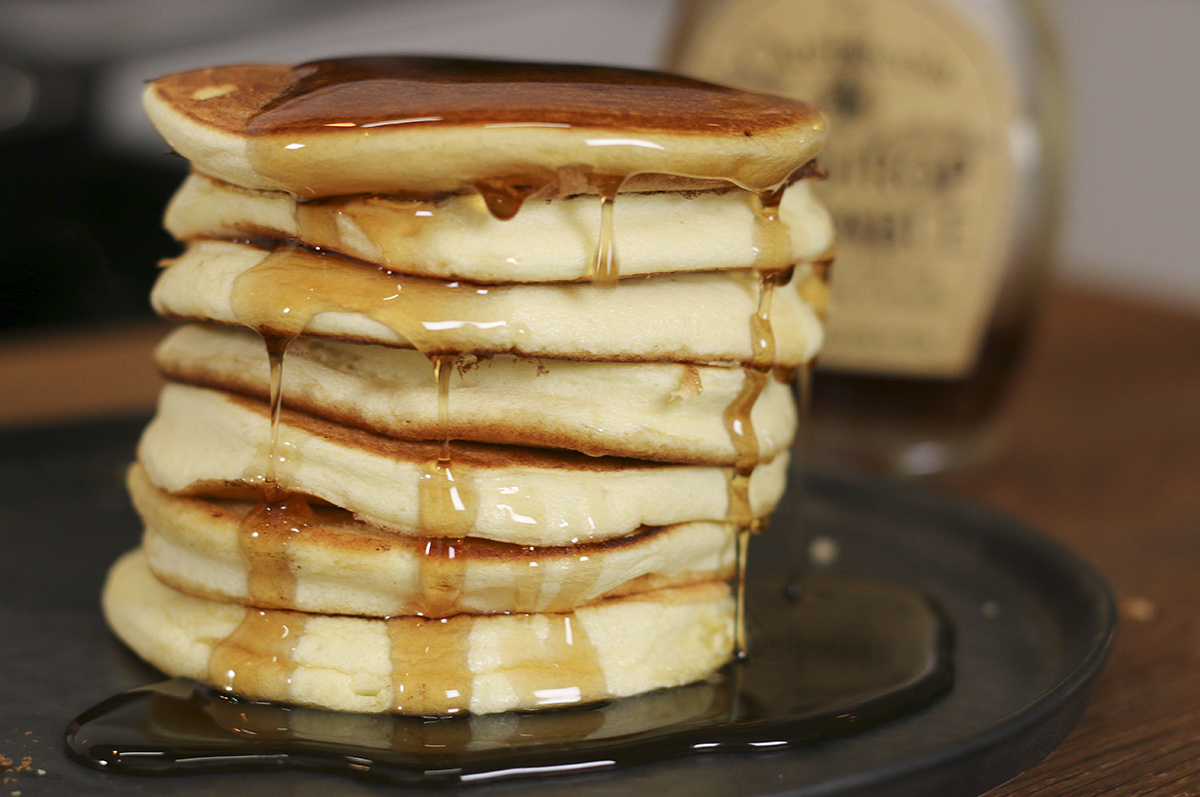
[[548, 241], [342, 566], [700, 317], [665, 412], [618, 648], [207, 442]]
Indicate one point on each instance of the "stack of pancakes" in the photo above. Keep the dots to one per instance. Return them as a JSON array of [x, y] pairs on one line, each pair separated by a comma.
[[485, 378]]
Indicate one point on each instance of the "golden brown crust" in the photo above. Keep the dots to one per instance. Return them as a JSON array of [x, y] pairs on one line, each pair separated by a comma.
[[447, 92], [223, 97], [419, 126], [467, 454]]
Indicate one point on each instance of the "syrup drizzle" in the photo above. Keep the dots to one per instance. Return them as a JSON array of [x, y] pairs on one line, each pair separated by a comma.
[[573, 669], [504, 199], [264, 537], [578, 575], [383, 221], [292, 285], [430, 664], [604, 270], [741, 644], [442, 509], [443, 502], [771, 267], [745, 441], [266, 531], [257, 658], [443, 367], [276, 351]]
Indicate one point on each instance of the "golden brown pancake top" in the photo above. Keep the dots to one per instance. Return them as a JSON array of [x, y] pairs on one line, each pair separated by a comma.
[[376, 91], [423, 126]]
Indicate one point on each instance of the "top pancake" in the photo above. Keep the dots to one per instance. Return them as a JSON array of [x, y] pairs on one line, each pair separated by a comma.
[[427, 126]]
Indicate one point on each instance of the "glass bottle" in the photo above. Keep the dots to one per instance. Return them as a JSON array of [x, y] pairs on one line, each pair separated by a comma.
[[945, 158]]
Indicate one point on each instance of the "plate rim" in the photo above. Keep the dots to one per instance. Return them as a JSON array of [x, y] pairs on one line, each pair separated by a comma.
[[1072, 686]]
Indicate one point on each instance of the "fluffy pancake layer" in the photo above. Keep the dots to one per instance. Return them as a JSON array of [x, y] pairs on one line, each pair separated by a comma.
[[206, 547], [697, 318], [511, 495], [397, 125], [667, 412], [457, 237], [476, 663]]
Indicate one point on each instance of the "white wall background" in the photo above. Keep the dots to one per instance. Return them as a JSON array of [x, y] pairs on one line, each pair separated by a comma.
[[1133, 216]]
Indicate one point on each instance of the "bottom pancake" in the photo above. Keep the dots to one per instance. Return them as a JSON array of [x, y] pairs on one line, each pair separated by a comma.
[[408, 665]]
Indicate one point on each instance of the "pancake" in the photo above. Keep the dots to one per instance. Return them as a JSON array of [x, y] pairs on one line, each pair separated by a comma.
[[207, 548], [665, 412], [476, 663], [548, 241], [697, 318], [430, 126], [205, 442]]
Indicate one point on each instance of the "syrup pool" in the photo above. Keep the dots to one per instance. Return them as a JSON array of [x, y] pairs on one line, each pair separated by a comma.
[[849, 654]]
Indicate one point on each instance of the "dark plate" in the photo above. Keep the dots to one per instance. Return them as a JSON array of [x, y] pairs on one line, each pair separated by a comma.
[[1033, 624]]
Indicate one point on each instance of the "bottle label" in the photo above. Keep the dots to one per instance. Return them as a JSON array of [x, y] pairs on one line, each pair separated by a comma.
[[922, 184]]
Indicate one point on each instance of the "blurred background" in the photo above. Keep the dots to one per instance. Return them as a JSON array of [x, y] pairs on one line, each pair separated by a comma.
[[85, 178]]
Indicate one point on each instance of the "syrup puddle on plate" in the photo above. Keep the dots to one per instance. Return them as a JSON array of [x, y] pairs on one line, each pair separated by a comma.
[[849, 654]]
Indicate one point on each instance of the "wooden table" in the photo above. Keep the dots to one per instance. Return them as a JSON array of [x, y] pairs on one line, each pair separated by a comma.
[[1105, 455]]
